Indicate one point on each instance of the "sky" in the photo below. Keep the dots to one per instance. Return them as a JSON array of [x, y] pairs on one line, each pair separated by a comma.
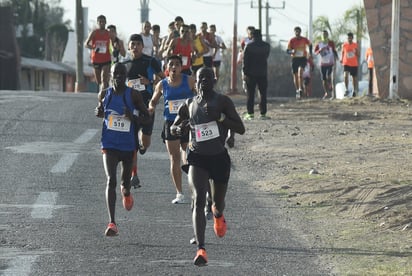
[[125, 14]]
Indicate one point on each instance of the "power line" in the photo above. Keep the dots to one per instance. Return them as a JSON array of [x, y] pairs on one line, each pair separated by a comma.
[[291, 19], [222, 3]]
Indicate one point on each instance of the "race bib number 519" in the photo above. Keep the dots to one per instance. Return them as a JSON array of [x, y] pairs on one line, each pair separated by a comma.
[[118, 123]]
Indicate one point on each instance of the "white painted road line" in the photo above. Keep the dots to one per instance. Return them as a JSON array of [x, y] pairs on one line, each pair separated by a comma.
[[65, 162], [86, 136], [44, 205]]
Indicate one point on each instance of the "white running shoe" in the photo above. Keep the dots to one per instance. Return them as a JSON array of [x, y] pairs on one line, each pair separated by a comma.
[[298, 94], [180, 198]]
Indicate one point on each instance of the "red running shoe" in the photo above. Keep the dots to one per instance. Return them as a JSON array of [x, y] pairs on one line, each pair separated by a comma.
[[219, 224], [127, 200]]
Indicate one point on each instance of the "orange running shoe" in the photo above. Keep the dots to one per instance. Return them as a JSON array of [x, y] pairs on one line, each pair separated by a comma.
[[219, 224], [128, 202], [201, 257], [111, 230]]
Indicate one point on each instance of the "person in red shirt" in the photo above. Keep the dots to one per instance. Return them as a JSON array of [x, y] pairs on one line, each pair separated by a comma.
[[183, 46], [98, 42], [349, 60], [297, 48]]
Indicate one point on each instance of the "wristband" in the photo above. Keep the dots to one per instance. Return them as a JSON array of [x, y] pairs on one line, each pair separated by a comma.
[[222, 117]]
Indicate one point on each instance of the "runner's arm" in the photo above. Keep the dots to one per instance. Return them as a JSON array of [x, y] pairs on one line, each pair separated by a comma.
[[99, 110], [144, 117], [231, 118], [155, 98]]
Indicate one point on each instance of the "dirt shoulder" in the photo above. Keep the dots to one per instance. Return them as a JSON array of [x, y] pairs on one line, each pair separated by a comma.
[[343, 168]]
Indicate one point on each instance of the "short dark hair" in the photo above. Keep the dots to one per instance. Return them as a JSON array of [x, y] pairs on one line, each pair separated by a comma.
[[297, 28], [111, 27], [179, 18], [136, 37], [178, 57], [257, 33], [350, 34], [101, 17], [156, 27]]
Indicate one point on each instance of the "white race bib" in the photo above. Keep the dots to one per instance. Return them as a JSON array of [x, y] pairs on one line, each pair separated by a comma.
[[206, 131], [185, 60], [136, 84], [350, 54], [101, 44], [174, 105], [118, 123], [299, 53]]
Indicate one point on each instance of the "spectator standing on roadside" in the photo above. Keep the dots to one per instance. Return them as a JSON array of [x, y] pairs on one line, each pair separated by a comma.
[[98, 42], [207, 117], [175, 88], [116, 45], [327, 51], [297, 48], [118, 143], [255, 67], [349, 60], [371, 64]]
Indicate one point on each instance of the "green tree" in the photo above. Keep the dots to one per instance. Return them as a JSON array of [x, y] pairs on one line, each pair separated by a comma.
[[353, 20], [33, 19]]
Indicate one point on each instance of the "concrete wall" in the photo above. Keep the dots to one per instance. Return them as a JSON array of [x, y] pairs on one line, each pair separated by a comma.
[[379, 19]]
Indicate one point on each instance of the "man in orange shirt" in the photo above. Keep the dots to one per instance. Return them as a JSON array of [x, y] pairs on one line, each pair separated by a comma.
[[371, 64], [297, 48], [98, 42], [349, 60]]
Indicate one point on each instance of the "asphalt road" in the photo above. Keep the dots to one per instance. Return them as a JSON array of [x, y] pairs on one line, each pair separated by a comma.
[[53, 213]]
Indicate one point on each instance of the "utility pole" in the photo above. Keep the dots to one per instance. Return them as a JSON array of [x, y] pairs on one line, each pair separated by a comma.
[[310, 20], [394, 71], [233, 79], [268, 20], [144, 10], [79, 86]]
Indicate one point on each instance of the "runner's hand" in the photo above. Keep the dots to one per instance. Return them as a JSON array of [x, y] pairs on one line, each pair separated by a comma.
[[98, 111]]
